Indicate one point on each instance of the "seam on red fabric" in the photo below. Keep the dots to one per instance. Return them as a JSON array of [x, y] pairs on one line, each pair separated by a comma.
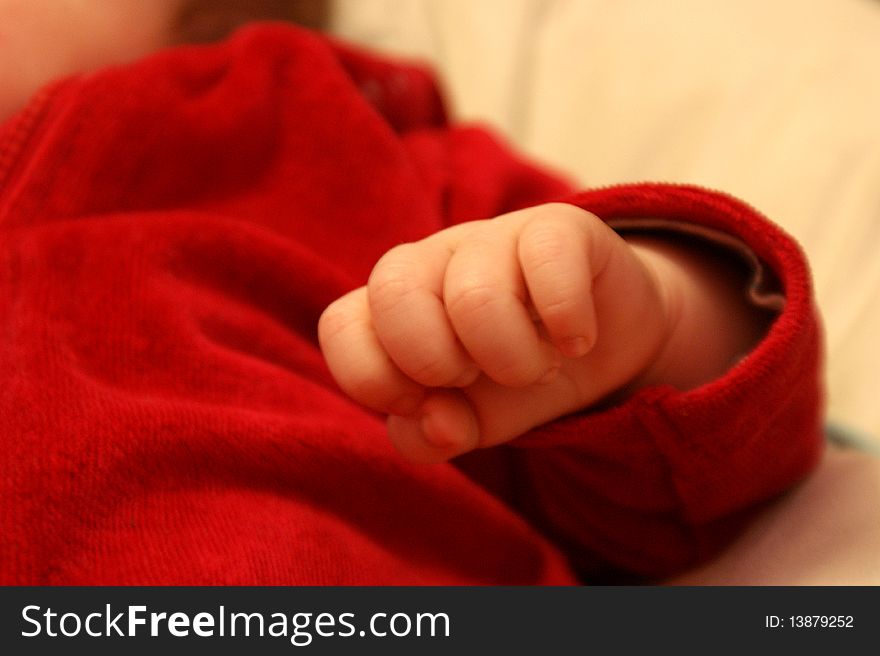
[[24, 142], [20, 128], [648, 413], [660, 413]]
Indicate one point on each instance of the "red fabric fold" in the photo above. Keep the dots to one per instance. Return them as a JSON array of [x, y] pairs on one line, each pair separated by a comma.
[[169, 234]]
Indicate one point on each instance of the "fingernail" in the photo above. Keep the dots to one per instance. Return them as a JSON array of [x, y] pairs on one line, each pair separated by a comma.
[[574, 347]]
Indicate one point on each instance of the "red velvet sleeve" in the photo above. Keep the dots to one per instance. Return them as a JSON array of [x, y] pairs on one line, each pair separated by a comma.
[[664, 479]]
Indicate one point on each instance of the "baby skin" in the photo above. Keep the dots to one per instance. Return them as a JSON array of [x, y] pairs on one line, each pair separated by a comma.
[[487, 329]]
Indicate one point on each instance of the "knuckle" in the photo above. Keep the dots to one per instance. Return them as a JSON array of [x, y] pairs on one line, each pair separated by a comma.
[[557, 307], [471, 297], [392, 278], [565, 212], [557, 220], [549, 231], [542, 244], [433, 371], [513, 373], [334, 320]]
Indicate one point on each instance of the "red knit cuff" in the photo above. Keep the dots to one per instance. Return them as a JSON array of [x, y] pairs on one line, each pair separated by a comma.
[[732, 442]]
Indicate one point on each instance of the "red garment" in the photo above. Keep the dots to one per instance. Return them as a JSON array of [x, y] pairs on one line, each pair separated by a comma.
[[170, 232]]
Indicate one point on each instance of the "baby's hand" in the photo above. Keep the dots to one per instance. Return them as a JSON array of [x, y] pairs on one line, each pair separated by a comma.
[[487, 329]]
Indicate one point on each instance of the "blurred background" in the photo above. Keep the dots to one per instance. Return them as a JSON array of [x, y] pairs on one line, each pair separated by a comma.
[[776, 102]]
